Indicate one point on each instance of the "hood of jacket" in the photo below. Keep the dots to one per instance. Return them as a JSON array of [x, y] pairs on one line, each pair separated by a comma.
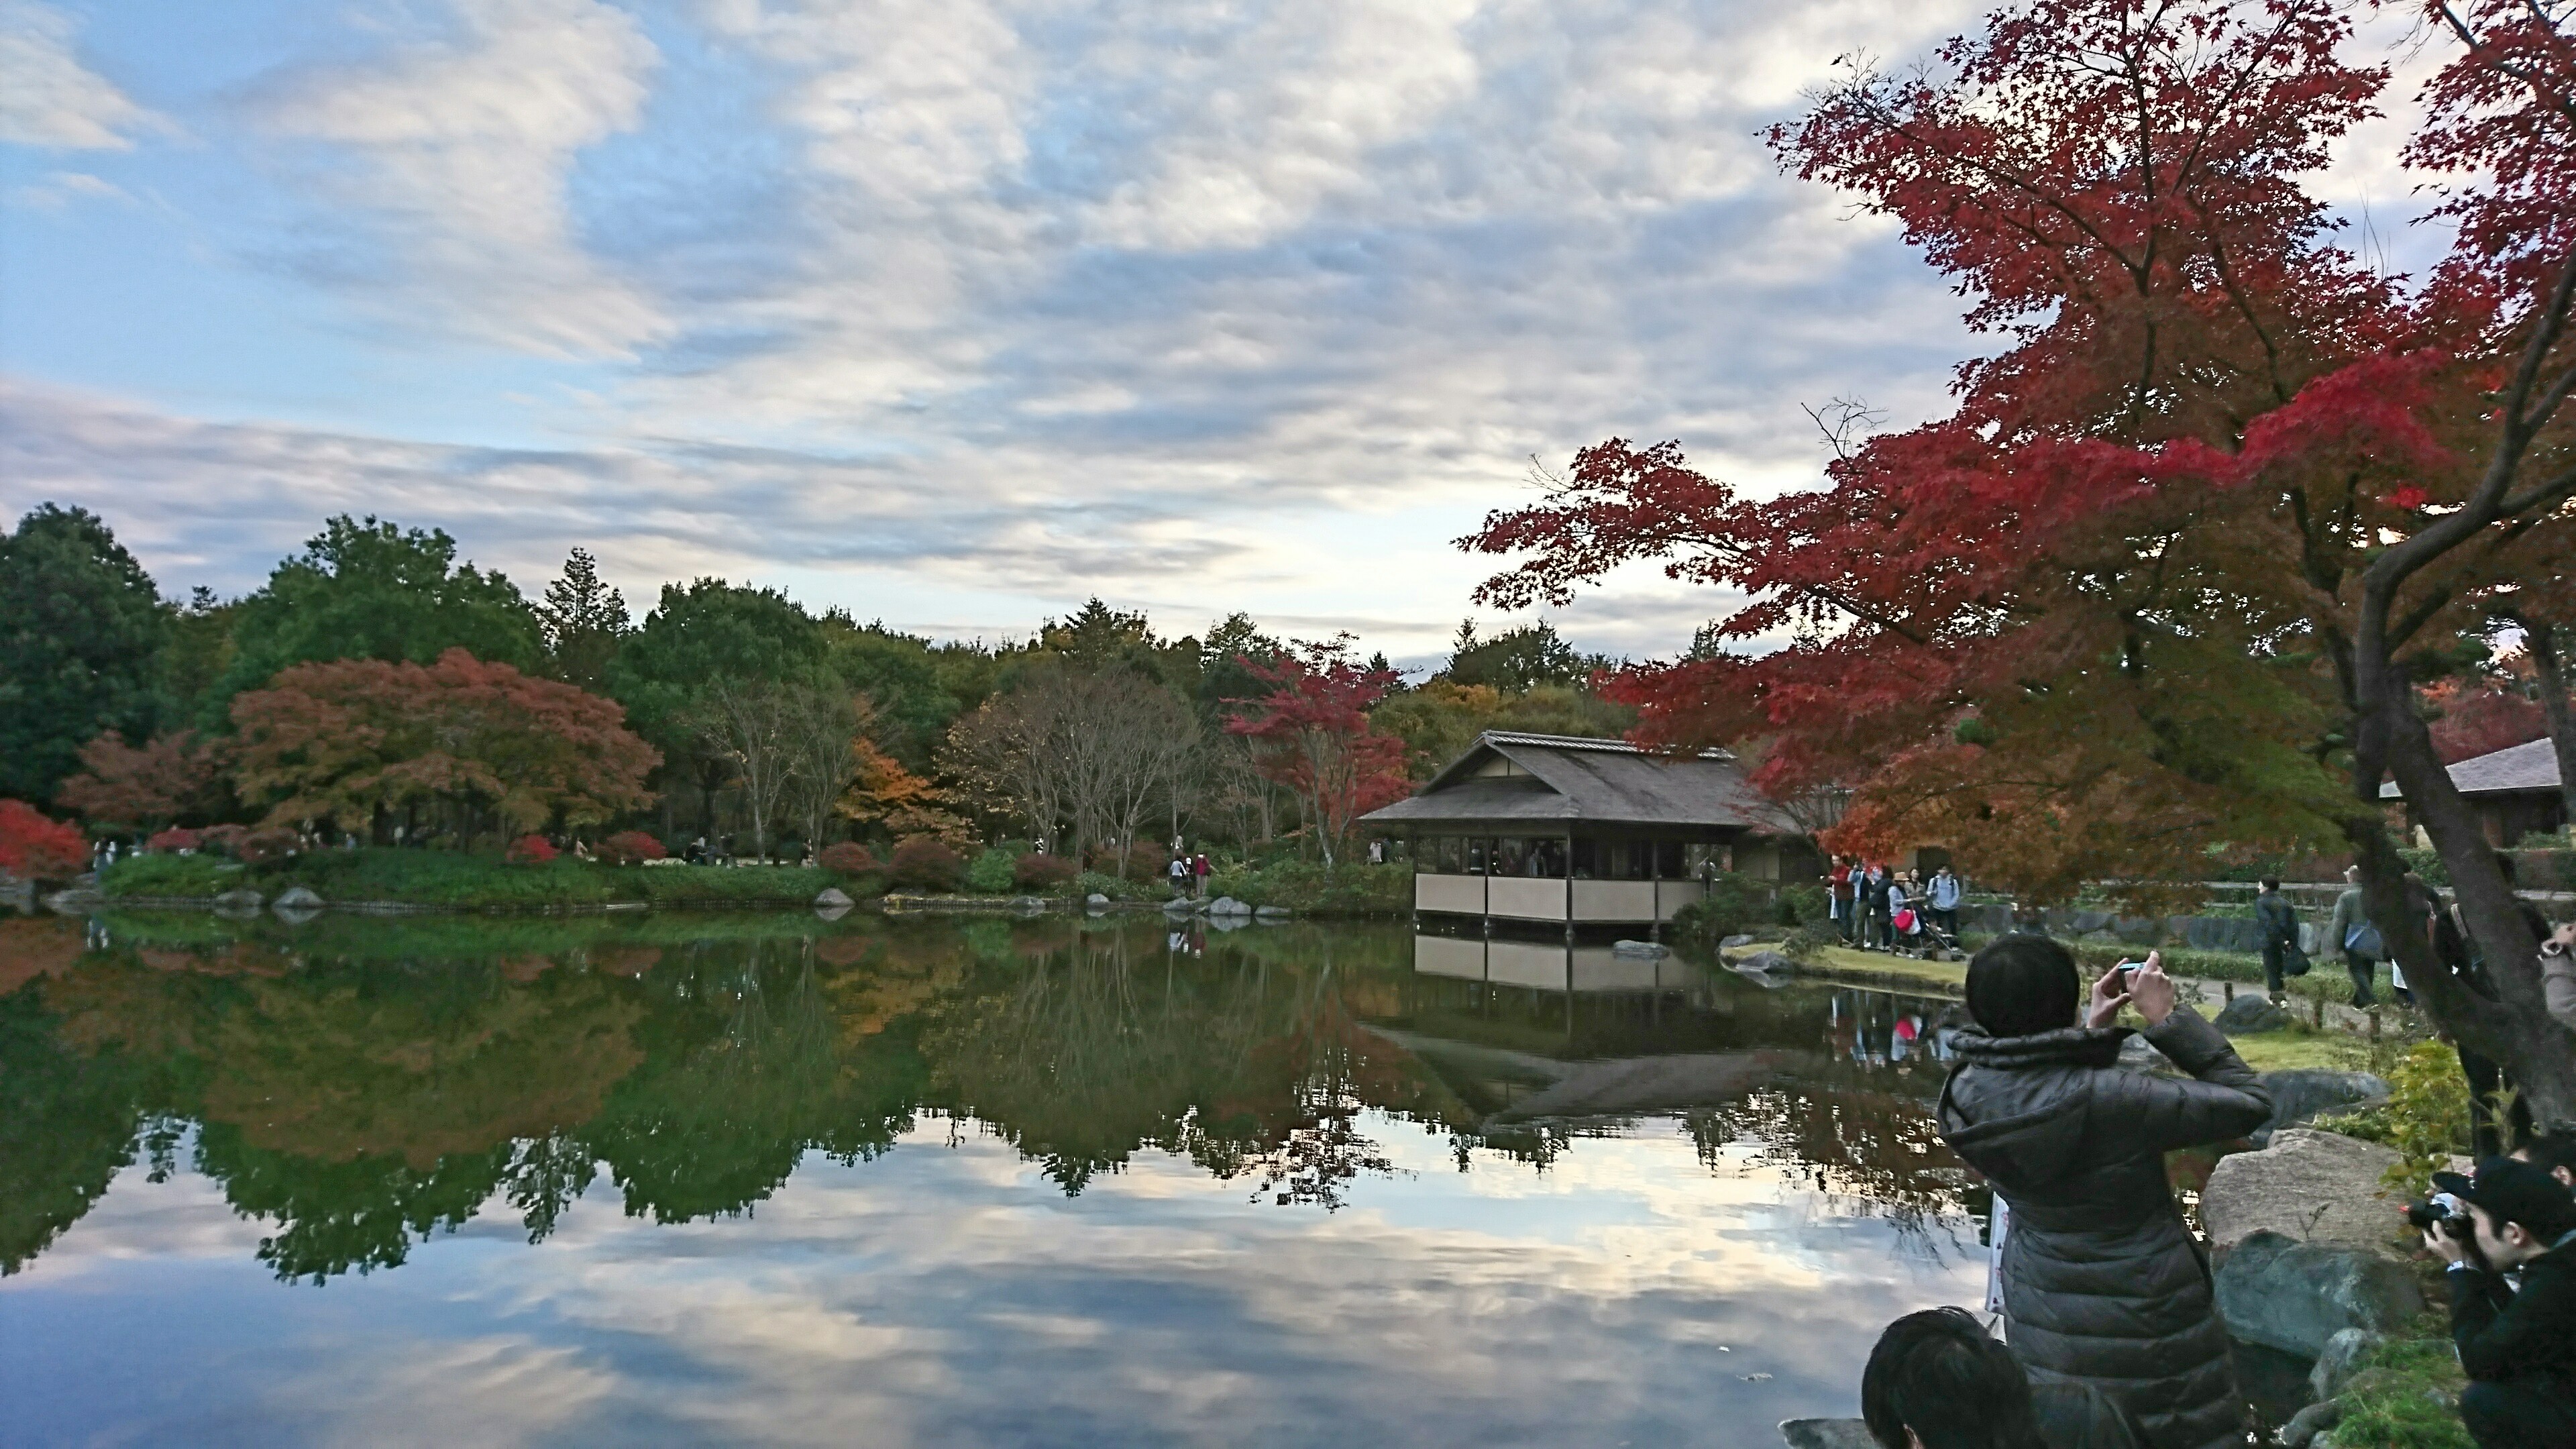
[[2013, 1122]]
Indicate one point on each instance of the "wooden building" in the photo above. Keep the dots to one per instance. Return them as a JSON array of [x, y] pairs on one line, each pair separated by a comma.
[[2515, 791], [1574, 831]]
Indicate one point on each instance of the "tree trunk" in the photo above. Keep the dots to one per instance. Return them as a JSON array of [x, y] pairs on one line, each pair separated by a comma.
[[2515, 1029], [2542, 640]]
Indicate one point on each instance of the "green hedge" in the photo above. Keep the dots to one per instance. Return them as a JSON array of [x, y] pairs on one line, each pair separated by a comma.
[[1310, 888], [456, 878]]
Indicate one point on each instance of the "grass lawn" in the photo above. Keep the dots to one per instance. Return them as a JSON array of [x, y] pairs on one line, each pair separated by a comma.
[[462, 879]]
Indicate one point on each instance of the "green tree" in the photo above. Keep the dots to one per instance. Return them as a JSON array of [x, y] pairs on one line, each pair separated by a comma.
[[699, 643], [902, 677], [1518, 659], [81, 634], [199, 654], [367, 589], [584, 620]]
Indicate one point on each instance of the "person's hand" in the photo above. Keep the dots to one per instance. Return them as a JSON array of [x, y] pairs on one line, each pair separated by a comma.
[[2109, 995], [2561, 942], [2152, 991], [2450, 1249]]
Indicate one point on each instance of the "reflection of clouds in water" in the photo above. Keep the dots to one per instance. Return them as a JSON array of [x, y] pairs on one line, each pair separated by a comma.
[[953, 1295], [184, 1216]]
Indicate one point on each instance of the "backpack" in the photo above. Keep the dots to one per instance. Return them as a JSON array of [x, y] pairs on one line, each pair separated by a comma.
[[2363, 937]]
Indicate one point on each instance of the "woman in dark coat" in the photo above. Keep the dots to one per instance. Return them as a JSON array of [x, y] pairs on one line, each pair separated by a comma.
[[2102, 1282]]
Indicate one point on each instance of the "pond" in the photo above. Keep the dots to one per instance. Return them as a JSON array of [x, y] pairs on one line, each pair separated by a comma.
[[715, 1179]]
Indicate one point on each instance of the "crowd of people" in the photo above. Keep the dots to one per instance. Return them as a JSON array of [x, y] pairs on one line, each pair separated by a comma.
[[2111, 1332], [1879, 909]]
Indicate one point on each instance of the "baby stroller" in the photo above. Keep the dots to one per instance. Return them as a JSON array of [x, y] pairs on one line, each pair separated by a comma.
[[1919, 936]]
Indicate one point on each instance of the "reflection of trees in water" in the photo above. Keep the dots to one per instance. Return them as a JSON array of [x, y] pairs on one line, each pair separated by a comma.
[[1881, 1152], [67, 1124], [1096, 1051]]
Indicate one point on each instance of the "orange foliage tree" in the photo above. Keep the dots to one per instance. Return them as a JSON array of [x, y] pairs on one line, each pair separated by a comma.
[[358, 740], [34, 847], [174, 779]]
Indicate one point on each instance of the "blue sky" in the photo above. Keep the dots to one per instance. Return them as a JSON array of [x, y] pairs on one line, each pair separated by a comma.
[[952, 313]]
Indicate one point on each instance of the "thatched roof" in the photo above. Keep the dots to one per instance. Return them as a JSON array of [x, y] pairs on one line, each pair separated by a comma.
[[1552, 781], [2523, 768]]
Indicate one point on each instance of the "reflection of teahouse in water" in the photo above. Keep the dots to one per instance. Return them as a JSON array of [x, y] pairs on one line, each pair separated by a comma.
[[1574, 831]]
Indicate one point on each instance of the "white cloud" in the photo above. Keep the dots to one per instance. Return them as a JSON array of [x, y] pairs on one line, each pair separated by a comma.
[[48, 98], [63, 188], [463, 145]]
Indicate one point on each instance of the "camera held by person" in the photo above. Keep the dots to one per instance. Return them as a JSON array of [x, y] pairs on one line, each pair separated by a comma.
[[2518, 1348]]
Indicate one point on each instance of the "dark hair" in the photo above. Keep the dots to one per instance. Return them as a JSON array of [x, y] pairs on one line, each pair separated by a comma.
[[1938, 1374], [2271, 882], [2022, 985], [2549, 1151]]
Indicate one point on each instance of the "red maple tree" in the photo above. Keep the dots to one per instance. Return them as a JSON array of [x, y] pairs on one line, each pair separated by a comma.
[[1311, 733], [34, 847], [2167, 575], [174, 778], [357, 740]]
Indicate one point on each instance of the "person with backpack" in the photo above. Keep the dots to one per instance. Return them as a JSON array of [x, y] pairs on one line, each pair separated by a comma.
[[2282, 956], [2352, 930]]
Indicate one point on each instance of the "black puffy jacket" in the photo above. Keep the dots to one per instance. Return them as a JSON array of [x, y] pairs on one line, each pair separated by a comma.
[[2102, 1281]]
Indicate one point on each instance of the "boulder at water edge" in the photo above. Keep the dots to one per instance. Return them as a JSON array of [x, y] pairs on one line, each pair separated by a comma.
[[2308, 1187], [830, 897], [2302, 1094], [242, 899], [1767, 962], [1228, 906], [1642, 950], [2297, 1296], [2250, 1013], [1271, 913], [297, 898], [1826, 1434], [1096, 901]]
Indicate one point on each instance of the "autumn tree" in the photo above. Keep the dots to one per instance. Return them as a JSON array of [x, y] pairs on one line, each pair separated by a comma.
[[2171, 574], [36, 847], [1311, 733], [882, 792], [172, 779], [363, 740], [371, 589]]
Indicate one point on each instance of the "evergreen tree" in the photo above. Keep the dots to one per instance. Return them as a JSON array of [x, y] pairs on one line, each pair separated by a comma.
[[81, 633], [583, 619]]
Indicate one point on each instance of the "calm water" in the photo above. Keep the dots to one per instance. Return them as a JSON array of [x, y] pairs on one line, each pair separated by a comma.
[[692, 1179]]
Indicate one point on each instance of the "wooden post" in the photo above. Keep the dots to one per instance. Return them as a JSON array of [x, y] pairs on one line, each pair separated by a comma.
[[2321, 1011], [2227, 990]]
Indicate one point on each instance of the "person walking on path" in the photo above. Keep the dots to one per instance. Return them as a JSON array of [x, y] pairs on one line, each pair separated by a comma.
[[2352, 930], [2103, 1282], [2279, 921], [1200, 870], [1180, 874]]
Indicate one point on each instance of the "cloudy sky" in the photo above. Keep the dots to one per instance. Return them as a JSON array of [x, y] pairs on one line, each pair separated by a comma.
[[950, 312]]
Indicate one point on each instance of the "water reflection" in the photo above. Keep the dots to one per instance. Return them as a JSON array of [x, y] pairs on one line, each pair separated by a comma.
[[358, 1089]]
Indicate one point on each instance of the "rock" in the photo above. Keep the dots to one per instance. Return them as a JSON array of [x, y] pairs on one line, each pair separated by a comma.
[[1096, 901], [1228, 906], [2301, 1094], [2308, 1187], [1826, 1434], [2250, 1013], [831, 896], [1229, 923], [81, 901], [241, 900], [2136, 1051], [296, 898], [1642, 950], [2341, 1360], [2304, 1426], [1768, 963], [2297, 1296], [1729, 944], [1271, 913]]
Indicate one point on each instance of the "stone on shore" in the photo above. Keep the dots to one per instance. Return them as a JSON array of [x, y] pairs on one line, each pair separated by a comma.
[[296, 898], [1271, 913], [2297, 1296], [1228, 906], [2250, 1013], [1826, 1434], [831, 896], [2301, 1094], [1096, 901], [2341, 1360], [1643, 950], [239, 900], [1768, 963], [2308, 1187]]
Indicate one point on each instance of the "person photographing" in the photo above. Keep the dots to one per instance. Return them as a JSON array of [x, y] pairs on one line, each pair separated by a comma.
[[2103, 1283], [2517, 1347]]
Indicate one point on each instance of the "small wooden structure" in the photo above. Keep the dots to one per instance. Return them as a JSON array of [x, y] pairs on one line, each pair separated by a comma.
[[2515, 791], [1577, 831]]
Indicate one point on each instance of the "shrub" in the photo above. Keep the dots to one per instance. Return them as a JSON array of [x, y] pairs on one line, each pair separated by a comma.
[[223, 839], [629, 847], [1043, 872], [259, 847], [37, 847], [1731, 905], [1809, 941], [1804, 905], [848, 858], [529, 850], [926, 863], [992, 873], [174, 839]]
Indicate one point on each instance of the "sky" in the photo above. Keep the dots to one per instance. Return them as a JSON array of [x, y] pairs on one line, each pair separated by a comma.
[[951, 313]]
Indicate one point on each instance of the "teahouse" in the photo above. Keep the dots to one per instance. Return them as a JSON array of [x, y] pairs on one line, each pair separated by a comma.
[[1575, 831]]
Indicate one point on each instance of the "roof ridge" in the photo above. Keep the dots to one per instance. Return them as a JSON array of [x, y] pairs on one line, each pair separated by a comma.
[[1583, 742]]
